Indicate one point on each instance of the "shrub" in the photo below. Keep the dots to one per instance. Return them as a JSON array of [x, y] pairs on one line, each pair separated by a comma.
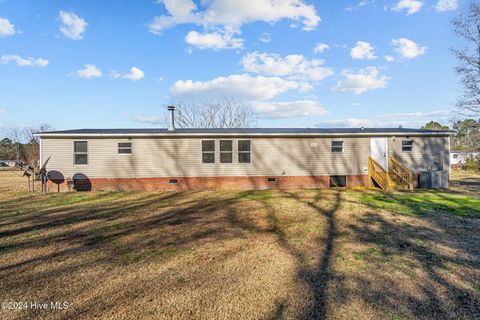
[[473, 163]]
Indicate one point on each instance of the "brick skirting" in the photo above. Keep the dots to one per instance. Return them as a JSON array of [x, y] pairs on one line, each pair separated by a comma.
[[201, 183]]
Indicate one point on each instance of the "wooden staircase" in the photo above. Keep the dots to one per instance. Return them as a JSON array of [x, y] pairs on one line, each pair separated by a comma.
[[398, 176]]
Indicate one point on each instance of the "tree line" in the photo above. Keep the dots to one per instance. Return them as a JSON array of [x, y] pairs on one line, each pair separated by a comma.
[[466, 137], [21, 145]]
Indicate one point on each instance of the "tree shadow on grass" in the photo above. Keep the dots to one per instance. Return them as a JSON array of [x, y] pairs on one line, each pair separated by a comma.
[[466, 185], [443, 248], [108, 231], [318, 275], [437, 252], [113, 230], [421, 202]]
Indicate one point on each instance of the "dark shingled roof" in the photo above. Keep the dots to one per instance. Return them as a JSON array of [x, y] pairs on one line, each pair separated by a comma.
[[255, 131]]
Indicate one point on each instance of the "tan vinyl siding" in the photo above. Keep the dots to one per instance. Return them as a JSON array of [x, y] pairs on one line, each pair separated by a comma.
[[177, 157], [426, 151]]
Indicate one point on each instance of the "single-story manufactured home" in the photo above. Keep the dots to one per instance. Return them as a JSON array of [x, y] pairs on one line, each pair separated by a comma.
[[258, 158]]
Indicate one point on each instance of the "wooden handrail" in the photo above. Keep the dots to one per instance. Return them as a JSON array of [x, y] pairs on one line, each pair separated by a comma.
[[377, 173], [401, 171]]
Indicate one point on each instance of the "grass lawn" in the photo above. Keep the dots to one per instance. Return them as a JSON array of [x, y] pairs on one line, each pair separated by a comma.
[[308, 254]]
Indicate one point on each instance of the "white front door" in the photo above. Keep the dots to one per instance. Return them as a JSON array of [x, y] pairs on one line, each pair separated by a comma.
[[379, 151]]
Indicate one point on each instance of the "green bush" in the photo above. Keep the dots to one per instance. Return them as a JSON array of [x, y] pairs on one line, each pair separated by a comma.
[[473, 163]]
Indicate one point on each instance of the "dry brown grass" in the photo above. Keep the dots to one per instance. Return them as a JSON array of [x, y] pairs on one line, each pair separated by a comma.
[[11, 180], [467, 182], [308, 254]]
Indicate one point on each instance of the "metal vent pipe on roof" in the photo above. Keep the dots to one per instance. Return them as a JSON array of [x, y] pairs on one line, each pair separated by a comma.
[[171, 118]]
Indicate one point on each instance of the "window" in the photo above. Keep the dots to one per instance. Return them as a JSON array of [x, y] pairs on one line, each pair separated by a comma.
[[337, 146], [455, 156], [244, 151], [226, 151], [124, 148], [407, 145], [80, 152], [208, 151]]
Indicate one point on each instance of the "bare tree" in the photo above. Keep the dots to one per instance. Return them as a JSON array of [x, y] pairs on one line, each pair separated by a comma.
[[226, 113], [15, 134], [32, 146], [467, 26]]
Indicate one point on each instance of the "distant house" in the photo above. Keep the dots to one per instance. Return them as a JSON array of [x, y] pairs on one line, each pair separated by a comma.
[[190, 159], [459, 158]]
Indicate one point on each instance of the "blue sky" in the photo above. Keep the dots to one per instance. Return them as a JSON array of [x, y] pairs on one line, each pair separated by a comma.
[[90, 63]]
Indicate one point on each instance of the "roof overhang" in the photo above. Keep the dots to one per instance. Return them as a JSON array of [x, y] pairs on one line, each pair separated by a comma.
[[242, 134]]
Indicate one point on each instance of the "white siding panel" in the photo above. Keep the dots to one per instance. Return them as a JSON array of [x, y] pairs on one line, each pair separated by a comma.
[[426, 152], [177, 157], [167, 157]]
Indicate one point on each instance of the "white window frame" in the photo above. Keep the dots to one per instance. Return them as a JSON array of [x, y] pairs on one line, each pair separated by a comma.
[[331, 146], [220, 149], [124, 148], [202, 152], [75, 153], [412, 145], [239, 152]]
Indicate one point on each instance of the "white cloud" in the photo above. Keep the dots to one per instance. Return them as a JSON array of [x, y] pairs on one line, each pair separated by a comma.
[[411, 6], [407, 48], [366, 79], [410, 119], [265, 37], [149, 119], [23, 62], [72, 26], [418, 114], [232, 14], [321, 47], [346, 123], [390, 58], [292, 66], [266, 110], [89, 71], [243, 86], [361, 3], [226, 18], [299, 108], [6, 28], [363, 50], [446, 5], [214, 40], [180, 11], [134, 75]]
